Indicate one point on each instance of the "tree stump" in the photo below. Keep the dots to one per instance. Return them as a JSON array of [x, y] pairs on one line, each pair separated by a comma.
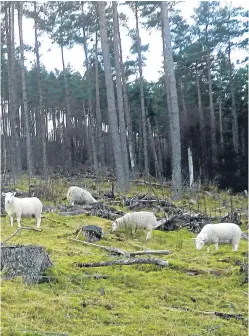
[[28, 262]]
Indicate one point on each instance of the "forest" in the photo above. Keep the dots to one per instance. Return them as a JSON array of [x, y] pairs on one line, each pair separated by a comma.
[[176, 147], [103, 122]]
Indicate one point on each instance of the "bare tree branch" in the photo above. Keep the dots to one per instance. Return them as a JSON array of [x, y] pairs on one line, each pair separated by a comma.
[[18, 230]]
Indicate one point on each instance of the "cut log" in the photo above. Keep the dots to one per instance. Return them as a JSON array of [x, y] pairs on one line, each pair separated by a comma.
[[28, 262], [130, 261]]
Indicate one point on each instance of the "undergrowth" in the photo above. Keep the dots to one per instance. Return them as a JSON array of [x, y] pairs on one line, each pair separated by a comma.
[[134, 300]]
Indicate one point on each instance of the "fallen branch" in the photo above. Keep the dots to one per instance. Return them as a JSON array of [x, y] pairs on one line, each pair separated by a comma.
[[158, 262], [213, 313], [19, 229], [112, 250], [150, 252]]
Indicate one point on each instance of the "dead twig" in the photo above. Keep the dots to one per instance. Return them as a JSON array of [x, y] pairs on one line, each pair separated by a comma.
[[130, 261], [18, 230]]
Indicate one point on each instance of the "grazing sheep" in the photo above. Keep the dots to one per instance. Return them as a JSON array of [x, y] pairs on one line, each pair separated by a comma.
[[19, 207], [143, 219], [226, 233], [79, 195]]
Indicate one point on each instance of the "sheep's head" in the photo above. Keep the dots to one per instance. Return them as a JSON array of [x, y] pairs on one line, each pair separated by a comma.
[[200, 240], [9, 197], [115, 225]]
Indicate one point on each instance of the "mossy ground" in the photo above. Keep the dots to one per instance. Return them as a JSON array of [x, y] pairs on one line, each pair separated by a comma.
[[136, 300]]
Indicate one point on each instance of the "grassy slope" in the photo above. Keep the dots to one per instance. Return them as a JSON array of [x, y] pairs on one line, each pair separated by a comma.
[[135, 300]]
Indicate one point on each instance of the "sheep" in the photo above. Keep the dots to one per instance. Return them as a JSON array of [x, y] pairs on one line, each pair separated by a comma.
[[143, 219], [79, 195], [19, 207], [226, 233]]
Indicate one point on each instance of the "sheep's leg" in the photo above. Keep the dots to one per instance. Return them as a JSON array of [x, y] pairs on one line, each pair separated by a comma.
[[11, 221], [235, 246], [38, 221], [216, 246], [148, 235], [18, 219]]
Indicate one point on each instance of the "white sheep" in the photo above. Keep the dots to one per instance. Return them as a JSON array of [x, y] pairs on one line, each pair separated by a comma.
[[226, 233], [145, 220], [79, 195], [19, 207]]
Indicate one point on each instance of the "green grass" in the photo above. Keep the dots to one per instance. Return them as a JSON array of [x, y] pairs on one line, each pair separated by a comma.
[[136, 300]]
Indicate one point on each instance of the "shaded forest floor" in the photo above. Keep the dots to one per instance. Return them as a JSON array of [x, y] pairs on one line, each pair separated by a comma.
[[133, 300]]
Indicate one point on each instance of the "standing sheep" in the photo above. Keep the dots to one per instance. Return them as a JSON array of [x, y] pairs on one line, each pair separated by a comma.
[[19, 207], [145, 220], [79, 195], [228, 233]]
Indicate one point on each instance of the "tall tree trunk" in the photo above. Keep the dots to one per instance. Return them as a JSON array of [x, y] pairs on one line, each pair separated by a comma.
[[112, 115], [41, 110], [16, 163], [145, 144], [159, 148], [211, 107], [99, 135], [127, 111], [168, 130], [4, 137], [24, 94], [69, 143], [90, 115], [190, 168], [234, 112], [174, 116], [201, 123], [152, 140], [120, 102], [184, 108], [221, 124]]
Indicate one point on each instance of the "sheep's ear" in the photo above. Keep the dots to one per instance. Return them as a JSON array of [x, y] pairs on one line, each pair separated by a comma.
[[3, 194], [194, 238]]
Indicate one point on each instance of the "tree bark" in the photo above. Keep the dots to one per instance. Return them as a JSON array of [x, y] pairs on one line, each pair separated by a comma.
[[120, 102], [131, 144], [156, 162], [99, 133], [112, 115], [201, 124], [168, 130], [211, 107], [24, 94], [233, 107], [16, 165], [41, 110], [145, 143], [69, 136], [130, 261], [221, 124], [184, 108], [174, 116], [190, 168], [90, 114]]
